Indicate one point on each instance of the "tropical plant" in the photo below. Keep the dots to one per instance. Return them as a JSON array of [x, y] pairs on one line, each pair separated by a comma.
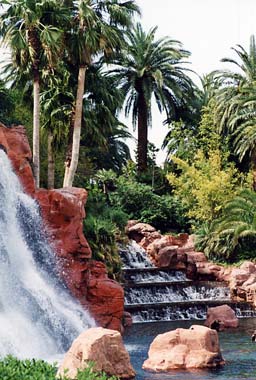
[[12, 368], [232, 236], [196, 127], [236, 104], [104, 134], [103, 225], [139, 202], [27, 28], [6, 103], [57, 106], [205, 185], [98, 27], [148, 67]]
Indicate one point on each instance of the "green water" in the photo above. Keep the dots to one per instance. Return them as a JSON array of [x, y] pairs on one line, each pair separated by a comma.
[[236, 347]]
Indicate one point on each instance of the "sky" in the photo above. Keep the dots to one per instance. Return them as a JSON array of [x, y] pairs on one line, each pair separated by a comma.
[[207, 28]]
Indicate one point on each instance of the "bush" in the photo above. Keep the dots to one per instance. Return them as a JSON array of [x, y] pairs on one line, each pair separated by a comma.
[[101, 236], [206, 185], [232, 236], [140, 202], [15, 369]]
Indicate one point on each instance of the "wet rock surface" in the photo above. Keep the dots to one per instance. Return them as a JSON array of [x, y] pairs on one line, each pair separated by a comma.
[[221, 317]]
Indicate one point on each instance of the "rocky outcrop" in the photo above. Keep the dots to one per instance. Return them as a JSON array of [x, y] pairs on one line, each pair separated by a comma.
[[63, 213], [104, 348], [105, 297], [221, 317], [178, 252], [15, 143], [197, 347], [165, 251], [142, 233]]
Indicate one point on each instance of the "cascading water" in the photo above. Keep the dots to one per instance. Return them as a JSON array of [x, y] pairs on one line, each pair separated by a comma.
[[153, 294], [38, 316]]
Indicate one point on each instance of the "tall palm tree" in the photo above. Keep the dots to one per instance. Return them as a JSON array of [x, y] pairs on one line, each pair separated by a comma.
[[150, 67], [236, 104], [98, 27], [27, 28]]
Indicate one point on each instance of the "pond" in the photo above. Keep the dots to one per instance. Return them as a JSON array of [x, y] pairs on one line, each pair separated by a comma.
[[236, 347]]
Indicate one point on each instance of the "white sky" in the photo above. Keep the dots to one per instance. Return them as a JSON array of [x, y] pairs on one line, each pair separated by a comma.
[[207, 28]]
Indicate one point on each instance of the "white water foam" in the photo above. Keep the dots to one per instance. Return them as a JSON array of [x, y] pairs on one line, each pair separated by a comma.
[[38, 316]]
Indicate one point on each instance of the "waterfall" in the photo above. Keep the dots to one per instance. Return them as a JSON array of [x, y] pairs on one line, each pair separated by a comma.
[[153, 294], [38, 316]]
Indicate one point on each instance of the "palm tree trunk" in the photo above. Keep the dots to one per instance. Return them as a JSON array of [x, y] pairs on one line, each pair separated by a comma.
[[36, 131], [69, 149], [77, 126], [253, 167], [51, 162], [34, 44], [142, 134]]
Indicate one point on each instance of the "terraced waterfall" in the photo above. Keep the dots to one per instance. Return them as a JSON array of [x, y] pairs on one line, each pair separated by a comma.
[[153, 294]]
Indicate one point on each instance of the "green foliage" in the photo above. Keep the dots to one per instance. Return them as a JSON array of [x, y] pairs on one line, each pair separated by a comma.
[[232, 237], [181, 140], [204, 186], [140, 202], [208, 137], [15, 369], [6, 104], [235, 103], [101, 234], [149, 68], [102, 227], [113, 201]]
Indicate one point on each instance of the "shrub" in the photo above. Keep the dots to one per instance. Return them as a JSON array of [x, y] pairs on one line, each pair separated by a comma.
[[140, 202], [205, 186], [15, 369], [231, 237], [101, 234]]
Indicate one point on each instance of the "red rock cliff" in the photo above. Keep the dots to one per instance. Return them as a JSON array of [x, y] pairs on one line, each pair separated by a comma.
[[63, 213]]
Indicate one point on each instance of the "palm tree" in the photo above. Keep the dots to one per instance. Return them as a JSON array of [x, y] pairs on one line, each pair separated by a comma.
[[102, 104], [98, 27], [150, 67], [57, 107], [236, 104], [27, 29]]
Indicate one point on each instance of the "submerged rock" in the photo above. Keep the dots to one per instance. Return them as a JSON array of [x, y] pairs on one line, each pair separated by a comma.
[[104, 348], [197, 347]]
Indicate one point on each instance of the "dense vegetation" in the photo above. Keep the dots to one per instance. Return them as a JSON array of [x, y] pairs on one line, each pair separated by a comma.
[[83, 63], [14, 369]]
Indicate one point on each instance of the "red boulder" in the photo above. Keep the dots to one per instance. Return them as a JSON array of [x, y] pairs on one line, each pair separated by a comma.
[[223, 315]]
